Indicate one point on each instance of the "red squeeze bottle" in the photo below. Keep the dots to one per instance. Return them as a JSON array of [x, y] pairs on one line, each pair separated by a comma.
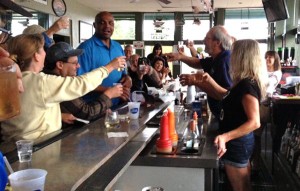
[[172, 129], [164, 143]]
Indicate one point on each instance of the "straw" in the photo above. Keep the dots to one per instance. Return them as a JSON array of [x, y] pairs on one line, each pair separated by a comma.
[[8, 165]]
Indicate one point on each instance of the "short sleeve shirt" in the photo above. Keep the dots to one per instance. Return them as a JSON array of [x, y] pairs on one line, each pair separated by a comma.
[[218, 69], [97, 54], [232, 113]]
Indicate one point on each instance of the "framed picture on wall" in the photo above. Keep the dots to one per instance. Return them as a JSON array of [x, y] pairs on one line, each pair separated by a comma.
[[86, 31], [42, 1]]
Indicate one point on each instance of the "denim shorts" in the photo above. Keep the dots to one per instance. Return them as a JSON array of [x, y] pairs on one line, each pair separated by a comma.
[[239, 151]]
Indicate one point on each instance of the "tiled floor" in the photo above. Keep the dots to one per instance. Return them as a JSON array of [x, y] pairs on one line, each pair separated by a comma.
[[261, 181]]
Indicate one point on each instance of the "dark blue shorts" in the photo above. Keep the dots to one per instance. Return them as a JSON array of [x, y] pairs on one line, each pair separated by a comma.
[[239, 151]]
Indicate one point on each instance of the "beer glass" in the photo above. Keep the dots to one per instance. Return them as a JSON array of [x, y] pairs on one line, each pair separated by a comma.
[[9, 92]]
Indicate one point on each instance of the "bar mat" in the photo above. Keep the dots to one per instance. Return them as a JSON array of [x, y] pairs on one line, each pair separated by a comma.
[[181, 149]]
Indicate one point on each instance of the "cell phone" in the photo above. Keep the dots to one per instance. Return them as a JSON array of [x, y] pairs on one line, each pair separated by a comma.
[[142, 67], [143, 61]]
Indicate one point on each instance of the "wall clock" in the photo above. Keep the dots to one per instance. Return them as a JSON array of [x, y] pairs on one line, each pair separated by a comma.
[[59, 7]]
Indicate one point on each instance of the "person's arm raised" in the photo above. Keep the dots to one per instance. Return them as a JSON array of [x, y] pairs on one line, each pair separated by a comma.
[[116, 63], [191, 61]]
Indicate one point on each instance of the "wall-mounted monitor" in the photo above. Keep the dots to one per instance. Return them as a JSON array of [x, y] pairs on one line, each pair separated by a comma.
[[275, 10]]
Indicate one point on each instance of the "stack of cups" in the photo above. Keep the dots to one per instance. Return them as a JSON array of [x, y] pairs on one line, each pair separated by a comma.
[[164, 143], [172, 130]]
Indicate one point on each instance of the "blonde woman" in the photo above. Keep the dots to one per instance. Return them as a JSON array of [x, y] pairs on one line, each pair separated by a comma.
[[239, 115], [40, 110]]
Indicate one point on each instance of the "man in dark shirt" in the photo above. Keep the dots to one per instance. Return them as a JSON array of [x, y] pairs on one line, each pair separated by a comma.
[[217, 44], [61, 60]]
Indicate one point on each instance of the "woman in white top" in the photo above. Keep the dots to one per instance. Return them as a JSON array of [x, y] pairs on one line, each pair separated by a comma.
[[274, 76], [274, 70], [40, 110]]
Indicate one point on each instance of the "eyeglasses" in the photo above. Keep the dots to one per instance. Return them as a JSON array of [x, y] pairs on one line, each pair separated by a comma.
[[4, 35], [73, 63]]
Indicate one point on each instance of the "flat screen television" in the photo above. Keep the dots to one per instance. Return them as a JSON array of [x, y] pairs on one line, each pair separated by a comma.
[[275, 10]]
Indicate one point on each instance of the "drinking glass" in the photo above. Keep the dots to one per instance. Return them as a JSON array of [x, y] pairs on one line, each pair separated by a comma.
[[9, 92], [24, 148], [111, 119]]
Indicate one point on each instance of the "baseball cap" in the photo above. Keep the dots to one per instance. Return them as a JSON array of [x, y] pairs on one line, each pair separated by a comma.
[[9, 4], [60, 51]]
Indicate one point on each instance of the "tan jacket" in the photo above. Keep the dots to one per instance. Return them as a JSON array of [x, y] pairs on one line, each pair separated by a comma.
[[40, 110]]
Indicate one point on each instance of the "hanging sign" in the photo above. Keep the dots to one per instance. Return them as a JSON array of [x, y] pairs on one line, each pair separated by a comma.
[[138, 44]]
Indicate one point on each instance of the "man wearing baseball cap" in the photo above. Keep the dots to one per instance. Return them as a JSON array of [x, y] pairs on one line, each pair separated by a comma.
[[61, 60], [6, 6]]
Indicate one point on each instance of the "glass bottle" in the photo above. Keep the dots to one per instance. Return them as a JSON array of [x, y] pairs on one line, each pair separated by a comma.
[[297, 170], [191, 138], [279, 50], [291, 140], [294, 147], [295, 153], [284, 141]]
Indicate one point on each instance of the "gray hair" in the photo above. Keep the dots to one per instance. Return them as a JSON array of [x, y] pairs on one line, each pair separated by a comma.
[[128, 46], [221, 34]]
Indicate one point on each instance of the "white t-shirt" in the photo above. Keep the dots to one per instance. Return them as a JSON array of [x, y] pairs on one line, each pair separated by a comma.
[[274, 79]]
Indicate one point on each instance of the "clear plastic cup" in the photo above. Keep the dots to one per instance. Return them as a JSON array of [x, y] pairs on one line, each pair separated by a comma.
[[28, 180], [24, 148], [134, 110]]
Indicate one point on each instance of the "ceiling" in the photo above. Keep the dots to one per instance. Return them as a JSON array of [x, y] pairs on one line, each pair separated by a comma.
[[157, 5]]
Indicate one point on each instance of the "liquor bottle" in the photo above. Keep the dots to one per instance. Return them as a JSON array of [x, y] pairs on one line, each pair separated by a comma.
[[297, 170], [294, 147], [295, 153], [280, 53], [290, 141], [191, 138], [284, 141]]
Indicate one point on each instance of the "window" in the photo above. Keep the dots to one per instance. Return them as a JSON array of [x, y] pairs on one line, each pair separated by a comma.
[[246, 23], [19, 22], [193, 31], [158, 27], [124, 27]]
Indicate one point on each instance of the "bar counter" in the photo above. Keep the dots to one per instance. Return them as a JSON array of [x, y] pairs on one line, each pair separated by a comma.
[[86, 159]]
